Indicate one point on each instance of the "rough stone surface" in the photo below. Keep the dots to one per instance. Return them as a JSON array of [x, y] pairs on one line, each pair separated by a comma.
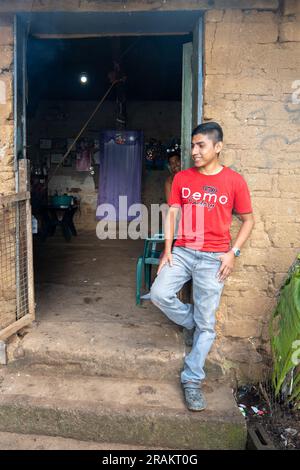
[[290, 29], [7, 181], [12, 441], [133, 5], [6, 57], [291, 7], [6, 35], [249, 91], [138, 350], [7, 184], [148, 412]]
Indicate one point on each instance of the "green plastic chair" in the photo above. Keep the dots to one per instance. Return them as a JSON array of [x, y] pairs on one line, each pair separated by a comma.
[[150, 257]]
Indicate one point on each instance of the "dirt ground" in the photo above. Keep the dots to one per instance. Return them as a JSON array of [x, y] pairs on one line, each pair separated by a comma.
[[280, 422]]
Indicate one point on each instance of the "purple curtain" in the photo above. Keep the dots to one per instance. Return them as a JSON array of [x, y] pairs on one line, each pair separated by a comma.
[[120, 170]]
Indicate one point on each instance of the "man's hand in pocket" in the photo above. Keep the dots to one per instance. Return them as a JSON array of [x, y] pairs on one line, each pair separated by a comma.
[[165, 259]]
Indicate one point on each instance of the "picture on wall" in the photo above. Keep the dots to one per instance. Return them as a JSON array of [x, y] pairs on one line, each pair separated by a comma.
[[56, 158], [83, 155]]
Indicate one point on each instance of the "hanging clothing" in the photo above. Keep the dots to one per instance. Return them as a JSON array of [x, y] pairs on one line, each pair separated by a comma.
[[120, 171]]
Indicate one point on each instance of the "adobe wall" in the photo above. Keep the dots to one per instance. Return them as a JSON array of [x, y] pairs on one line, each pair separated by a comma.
[[252, 60]]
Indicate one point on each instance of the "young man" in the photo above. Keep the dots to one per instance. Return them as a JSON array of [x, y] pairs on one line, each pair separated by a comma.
[[206, 194], [174, 163], [175, 166]]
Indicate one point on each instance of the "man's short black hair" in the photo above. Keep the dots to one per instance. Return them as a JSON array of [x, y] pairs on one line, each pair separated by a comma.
[[212, 129]]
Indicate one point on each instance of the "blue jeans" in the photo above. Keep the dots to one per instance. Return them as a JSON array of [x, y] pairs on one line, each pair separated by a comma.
[[202, 268]]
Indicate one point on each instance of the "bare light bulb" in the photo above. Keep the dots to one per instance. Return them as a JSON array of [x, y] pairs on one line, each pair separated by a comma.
[[83, 78]]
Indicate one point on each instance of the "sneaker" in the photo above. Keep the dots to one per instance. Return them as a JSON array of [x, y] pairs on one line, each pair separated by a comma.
[[194, 399], [188, 336]]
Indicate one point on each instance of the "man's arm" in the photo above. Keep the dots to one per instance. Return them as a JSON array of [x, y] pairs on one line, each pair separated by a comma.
[[169, 237], [243, 235], [248, 223]]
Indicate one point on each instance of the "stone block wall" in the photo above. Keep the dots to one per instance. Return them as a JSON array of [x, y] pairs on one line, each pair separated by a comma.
[[252, 63], [7, 180], [7, 176]]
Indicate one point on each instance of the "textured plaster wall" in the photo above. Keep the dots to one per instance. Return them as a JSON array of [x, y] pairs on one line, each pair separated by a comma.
[[7, 182], [252, 60]]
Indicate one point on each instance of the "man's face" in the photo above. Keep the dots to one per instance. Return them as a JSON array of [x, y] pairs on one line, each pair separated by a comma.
[[204, 150], [174, 163]]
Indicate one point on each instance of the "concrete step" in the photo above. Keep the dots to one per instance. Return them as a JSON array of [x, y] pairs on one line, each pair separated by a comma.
[[108, 349], [13, 441], [131, 412]]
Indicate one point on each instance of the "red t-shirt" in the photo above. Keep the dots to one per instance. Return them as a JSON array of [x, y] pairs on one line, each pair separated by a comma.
[[207, 203]]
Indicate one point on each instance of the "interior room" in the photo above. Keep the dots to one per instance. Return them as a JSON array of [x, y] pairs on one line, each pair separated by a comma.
[[74, 108]]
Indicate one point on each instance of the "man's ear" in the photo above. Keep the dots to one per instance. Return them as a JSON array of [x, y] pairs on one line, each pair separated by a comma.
[[218, 147]]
